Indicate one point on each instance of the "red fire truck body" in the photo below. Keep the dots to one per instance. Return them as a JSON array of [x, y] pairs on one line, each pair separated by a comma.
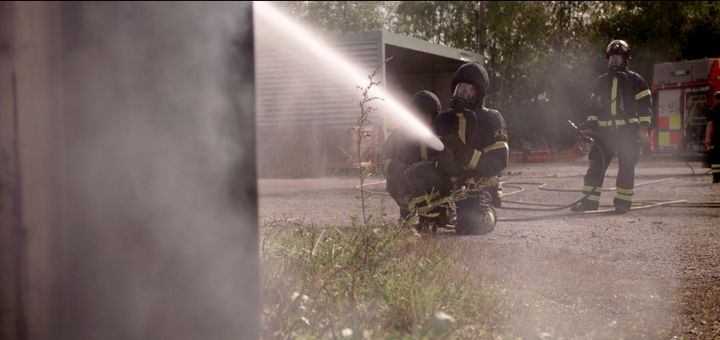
[[682, 94]]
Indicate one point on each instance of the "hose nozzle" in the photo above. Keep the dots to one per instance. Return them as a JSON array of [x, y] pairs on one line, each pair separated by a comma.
[[572, 125], [579, 131]]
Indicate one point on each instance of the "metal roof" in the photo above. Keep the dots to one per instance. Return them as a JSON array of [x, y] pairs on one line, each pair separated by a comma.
[[415, 44]]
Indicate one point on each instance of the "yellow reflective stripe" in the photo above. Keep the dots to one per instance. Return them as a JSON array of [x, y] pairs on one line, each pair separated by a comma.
[[462, 125], [715, 171], [593, 198], [645, 119], [474, 159], [625, 191], [642, 94], [613, 97], [623, 197], [592, 118], [495, 146], [715, 166], [492, 215], [588, 188], [423, 152], [618, 122]]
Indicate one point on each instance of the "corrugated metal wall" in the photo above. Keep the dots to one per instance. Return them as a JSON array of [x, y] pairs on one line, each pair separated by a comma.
[[305, 108], [296, 88]]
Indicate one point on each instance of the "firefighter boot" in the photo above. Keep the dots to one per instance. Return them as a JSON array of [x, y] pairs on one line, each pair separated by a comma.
[[585, 205], [621, 209], [438, 218]]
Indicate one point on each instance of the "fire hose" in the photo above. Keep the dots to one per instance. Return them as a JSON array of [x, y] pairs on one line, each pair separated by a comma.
[[637, 205]]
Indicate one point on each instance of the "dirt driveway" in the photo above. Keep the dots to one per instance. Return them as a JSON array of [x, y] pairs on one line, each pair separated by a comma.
[[652, 273]]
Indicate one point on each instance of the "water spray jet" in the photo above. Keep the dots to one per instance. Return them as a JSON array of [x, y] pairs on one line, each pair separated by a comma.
[[390, 105]]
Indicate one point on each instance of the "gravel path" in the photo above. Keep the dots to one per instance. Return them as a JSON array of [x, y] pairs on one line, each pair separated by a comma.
[[651, 273]]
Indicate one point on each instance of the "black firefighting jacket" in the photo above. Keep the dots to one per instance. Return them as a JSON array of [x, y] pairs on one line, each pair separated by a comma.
[[400, 147], [620, 99], [481, 142]]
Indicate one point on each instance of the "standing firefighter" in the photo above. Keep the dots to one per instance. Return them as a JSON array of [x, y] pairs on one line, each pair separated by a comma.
[[402, 151], [620, 118], [712, 139], [476, 137]]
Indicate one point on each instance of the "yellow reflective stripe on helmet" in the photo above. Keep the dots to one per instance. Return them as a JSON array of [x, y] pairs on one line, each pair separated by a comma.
[[588, 188], [592, 118], [623, 197], [496, 146], [642, 94], [625, 191], [462, 125], [593, 198], [645, 119], [474, 159], [424, 151], [613, 97]]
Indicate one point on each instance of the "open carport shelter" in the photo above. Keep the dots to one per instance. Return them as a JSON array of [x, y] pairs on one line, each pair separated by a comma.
[[305, 120]]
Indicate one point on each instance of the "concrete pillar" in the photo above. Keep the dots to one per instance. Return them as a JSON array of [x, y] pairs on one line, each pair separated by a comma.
[[128, 199]]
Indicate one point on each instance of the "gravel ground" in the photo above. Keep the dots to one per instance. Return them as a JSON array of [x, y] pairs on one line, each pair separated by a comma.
[[652, 273]]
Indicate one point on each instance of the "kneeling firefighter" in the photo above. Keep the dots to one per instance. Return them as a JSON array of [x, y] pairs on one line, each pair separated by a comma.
[[476, 137], [403, 151]]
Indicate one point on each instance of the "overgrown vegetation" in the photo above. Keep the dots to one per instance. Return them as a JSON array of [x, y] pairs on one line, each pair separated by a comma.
[[361, 152], [376, 281]]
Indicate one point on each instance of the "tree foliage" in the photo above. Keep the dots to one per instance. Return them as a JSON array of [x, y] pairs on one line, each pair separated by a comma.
[[542, 56]]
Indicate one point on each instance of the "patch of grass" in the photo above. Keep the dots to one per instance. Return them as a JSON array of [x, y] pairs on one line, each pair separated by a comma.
[[371, 281]]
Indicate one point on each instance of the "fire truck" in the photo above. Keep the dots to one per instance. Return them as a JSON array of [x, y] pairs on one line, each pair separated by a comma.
[[682, 94]]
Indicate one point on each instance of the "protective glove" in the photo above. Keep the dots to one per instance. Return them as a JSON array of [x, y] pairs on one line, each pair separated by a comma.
[[456, 147], [445, 163], [589, 132], [643, 137]]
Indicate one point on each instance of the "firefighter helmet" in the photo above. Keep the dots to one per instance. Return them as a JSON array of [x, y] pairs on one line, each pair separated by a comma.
[[617, 54], [618, 47], [426, 102], [469, 84]]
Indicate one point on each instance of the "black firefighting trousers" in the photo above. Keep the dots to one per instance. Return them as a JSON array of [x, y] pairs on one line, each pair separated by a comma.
[[397, 187], [609, 142], [475, 215], [714, 159]]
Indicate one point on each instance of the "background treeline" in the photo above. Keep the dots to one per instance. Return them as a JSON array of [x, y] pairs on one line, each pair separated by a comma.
[[542, 56]]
